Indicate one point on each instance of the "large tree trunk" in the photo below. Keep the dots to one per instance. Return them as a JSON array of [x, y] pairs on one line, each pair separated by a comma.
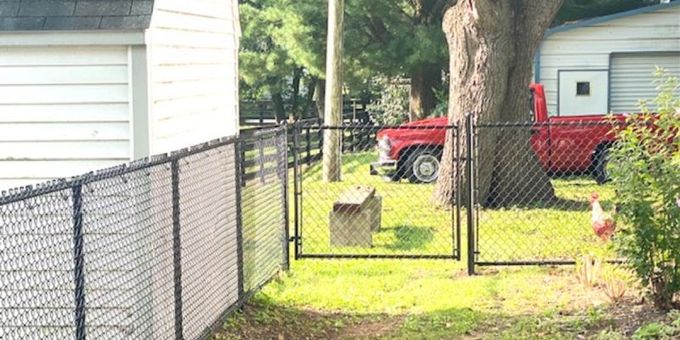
[[294, 110], [320, 95], [309, 99], [492, 45], [332, 142], [424, 79], [279, 108]]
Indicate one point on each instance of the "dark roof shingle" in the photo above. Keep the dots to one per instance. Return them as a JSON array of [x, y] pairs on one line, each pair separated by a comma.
[[37, 15]]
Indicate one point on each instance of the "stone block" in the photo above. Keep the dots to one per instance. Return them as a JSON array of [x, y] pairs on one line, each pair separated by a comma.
[[355, 215]]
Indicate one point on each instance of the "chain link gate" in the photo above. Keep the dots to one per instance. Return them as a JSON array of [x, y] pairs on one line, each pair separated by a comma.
[[542, 215], [382, 206]]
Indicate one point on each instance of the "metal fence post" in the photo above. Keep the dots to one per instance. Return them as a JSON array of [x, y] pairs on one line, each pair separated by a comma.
[[296, 190], [459, 187], [320, 134], [240, 264], [308, 146], [470, 126], [286, 198], [78, 260], [177, 249]]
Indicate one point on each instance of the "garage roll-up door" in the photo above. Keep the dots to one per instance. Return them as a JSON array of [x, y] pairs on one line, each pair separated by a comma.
[[632, 78]]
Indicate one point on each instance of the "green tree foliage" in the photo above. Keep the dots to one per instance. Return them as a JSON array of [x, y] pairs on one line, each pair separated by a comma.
[[646, 172], [263, 62], [391, 38], [396, 37], [392, 106], [283, 44]]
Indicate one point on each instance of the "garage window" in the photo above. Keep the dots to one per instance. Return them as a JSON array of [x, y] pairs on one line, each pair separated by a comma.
[[583, 88]]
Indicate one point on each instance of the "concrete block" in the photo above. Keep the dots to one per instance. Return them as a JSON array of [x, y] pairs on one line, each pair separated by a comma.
[[355, 215], [374, 212], [350, 229]]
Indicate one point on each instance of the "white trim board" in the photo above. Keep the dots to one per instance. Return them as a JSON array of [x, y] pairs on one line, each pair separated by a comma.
[[58, 38]]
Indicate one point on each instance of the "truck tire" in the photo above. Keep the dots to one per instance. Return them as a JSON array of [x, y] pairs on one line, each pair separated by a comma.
[[600, 162], [423, 165]]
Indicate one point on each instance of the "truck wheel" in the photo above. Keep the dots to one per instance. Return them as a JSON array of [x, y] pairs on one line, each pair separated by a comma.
[[600, 166], [423, 165]]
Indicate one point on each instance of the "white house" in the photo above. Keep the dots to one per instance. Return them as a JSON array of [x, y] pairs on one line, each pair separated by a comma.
[[90, 84], [606, 64]]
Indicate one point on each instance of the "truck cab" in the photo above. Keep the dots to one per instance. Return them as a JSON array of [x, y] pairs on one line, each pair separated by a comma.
[[574, 144]]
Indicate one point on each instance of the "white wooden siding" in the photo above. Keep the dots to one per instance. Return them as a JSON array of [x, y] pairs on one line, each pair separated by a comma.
[[192, 49], [590, 47], [632, 78], [64, 110]]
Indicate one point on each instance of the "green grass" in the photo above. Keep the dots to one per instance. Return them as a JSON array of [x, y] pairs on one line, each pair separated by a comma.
[[434, 299], [412, 224]]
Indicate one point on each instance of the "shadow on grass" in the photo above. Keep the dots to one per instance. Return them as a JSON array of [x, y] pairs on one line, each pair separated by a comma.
[[265, 319], [559, 204], [409, 237]]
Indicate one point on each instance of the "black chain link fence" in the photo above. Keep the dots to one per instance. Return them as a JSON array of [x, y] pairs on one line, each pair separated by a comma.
[[166, 247], [531, 186], [161, 248], [382, 204], [534, 184]]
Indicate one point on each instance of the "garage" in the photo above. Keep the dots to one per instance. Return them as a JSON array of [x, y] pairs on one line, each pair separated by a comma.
[[607, 64], [632, 76]]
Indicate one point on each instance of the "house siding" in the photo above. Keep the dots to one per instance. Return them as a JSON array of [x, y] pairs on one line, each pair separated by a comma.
[[591, 47], [192, 48], [64, 110]]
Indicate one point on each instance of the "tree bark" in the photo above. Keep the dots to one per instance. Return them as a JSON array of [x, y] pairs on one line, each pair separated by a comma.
[[279, 109], [332, 143], [424, 79], [320, 95], [309, 99], [294, 110], [492, 45]]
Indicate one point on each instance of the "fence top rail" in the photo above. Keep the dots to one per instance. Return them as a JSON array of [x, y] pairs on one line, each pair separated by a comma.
[[547, 124], [379, 127], [13, 195]]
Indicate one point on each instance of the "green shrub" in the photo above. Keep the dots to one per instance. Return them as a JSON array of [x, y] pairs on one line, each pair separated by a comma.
[[393, 105], [655, 330], [645, 168]]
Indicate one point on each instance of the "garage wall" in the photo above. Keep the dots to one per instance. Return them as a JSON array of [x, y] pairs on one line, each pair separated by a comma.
[[590, 47], [631, 77], [192, 49], [63, 111]]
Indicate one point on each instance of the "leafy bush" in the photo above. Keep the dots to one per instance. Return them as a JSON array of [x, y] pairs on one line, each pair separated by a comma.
[[442, 108], [645, 168], [393, 105], [656, 330]]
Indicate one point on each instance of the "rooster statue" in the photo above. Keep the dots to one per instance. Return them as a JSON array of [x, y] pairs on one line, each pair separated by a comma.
[[603, 224]]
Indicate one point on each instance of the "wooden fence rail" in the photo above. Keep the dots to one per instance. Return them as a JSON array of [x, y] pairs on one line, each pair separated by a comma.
[[310, 141]]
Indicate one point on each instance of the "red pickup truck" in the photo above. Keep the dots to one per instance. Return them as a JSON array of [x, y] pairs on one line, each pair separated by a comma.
[[573, 144]]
